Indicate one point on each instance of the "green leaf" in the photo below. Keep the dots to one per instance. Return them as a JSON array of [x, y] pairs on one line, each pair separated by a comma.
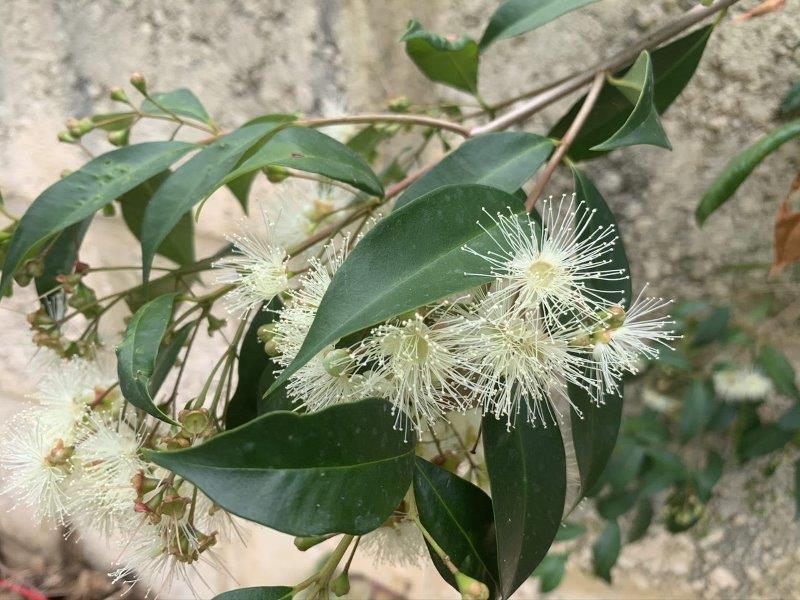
[[551, 572], [790, 420], [167, 356], [615, 505], [641, 520], [253, 361], [312, 151], [605, 550], [410, 258], [114, 121], [706, 479], [341, 470], [791, 102], [458, 515], [778, 368], [740, 167], [697, 408], [366, 141], [82, 193], [60, 258], [762, 440], [594, 435], [192, 182], [257, 593], [503, 160], [797, 489], [586, 192], [642, 125], [453, 63], [713, 328], [136, 353], [625, 464], [180, 102], [527, 475], [570, 531], [179, 243], [673, 67], [515, 17]]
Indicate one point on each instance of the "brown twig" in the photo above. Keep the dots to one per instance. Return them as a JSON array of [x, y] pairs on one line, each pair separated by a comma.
[[566, 141]]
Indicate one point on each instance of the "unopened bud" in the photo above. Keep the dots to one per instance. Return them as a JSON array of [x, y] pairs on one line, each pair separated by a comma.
[[109, 210], [79, 127], [194, 422], [276, 174], [399, 105], [266, 332], [341, 585], [117, 94], [304, 543], [66, 137], [138, 81], [119, 138], [471, 589], [65, 173], [336, 362]]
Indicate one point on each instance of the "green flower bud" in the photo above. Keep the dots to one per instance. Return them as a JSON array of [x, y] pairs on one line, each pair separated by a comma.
[[117, 94], [138, 81], [119, 138], [336, 362], [266, 332], [271, 348], [341, 585], [471, 589], [79, 127], [276, 174], [66, 137], [194, 422], [304, 543], [109, 210], [399, 105], [65, 173]]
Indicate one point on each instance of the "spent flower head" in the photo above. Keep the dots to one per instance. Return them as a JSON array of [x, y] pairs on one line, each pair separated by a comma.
[[745, 384]]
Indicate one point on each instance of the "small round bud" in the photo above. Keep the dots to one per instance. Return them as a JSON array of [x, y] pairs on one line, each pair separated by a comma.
[[109, 210], [400, 104], [119, 138], [341, 585], [65, 173], [79, 127], [194, 422], [271, 348], [336, 362], [471, 589], [276, 174], [117, 94], [138, 81], [304, 543], [266, 332], [66, 137]]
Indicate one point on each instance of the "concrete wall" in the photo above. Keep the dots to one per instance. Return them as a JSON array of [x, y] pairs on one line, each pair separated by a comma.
[[245, 58]]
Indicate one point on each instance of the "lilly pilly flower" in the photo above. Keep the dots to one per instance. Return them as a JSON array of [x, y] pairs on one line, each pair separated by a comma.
[[418, 361], [398, 542], [257, 269], [622, 338], [551, 268], [742, 385], [518, 360]]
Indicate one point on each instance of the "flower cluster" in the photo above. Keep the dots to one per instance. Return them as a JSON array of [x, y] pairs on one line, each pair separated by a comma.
[[546, 323], [75, 457]]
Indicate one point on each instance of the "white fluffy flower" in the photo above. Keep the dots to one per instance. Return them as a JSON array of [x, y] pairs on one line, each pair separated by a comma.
[[515, 360], [418, 361], [551, 270], [398, 543], [328, 379], [257, 269], [659, 402], [38, 466], [102, 495], [742, 385], [623, 337]]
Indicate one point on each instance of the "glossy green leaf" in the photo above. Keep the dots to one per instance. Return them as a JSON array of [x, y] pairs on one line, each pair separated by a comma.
[[674, 65], [60, 260], [777, 367], [594, 435], [696, 410], [515, 17], [179, 243], [625, 464], [410, 258], [137, 352], [312, 151], [706, 479], [453, 63], [257, 593], [167, 356], [181, 102], [790, 106], [527, 474], [641, 520], [740, 167], [550, 572], [569, 531], [762, 440], [458, 515], [341, 470], [253, 360], [82, 193], [503, 160], [192, 182], [615, 504], [642, 125], [586, 192], [605, 550], [713, 327]]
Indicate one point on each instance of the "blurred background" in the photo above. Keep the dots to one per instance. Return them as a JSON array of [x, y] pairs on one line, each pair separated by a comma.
[[244, 58]]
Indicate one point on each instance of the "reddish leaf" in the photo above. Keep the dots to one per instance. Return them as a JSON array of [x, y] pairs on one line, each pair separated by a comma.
[[787, 238]]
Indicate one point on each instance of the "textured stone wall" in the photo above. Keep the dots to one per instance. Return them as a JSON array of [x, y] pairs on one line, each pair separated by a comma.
[[245, 58]]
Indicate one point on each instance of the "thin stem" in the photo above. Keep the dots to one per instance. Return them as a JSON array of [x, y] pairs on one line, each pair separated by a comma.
[[388, 118], [324, 574], [566, 141], [619, 60]]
